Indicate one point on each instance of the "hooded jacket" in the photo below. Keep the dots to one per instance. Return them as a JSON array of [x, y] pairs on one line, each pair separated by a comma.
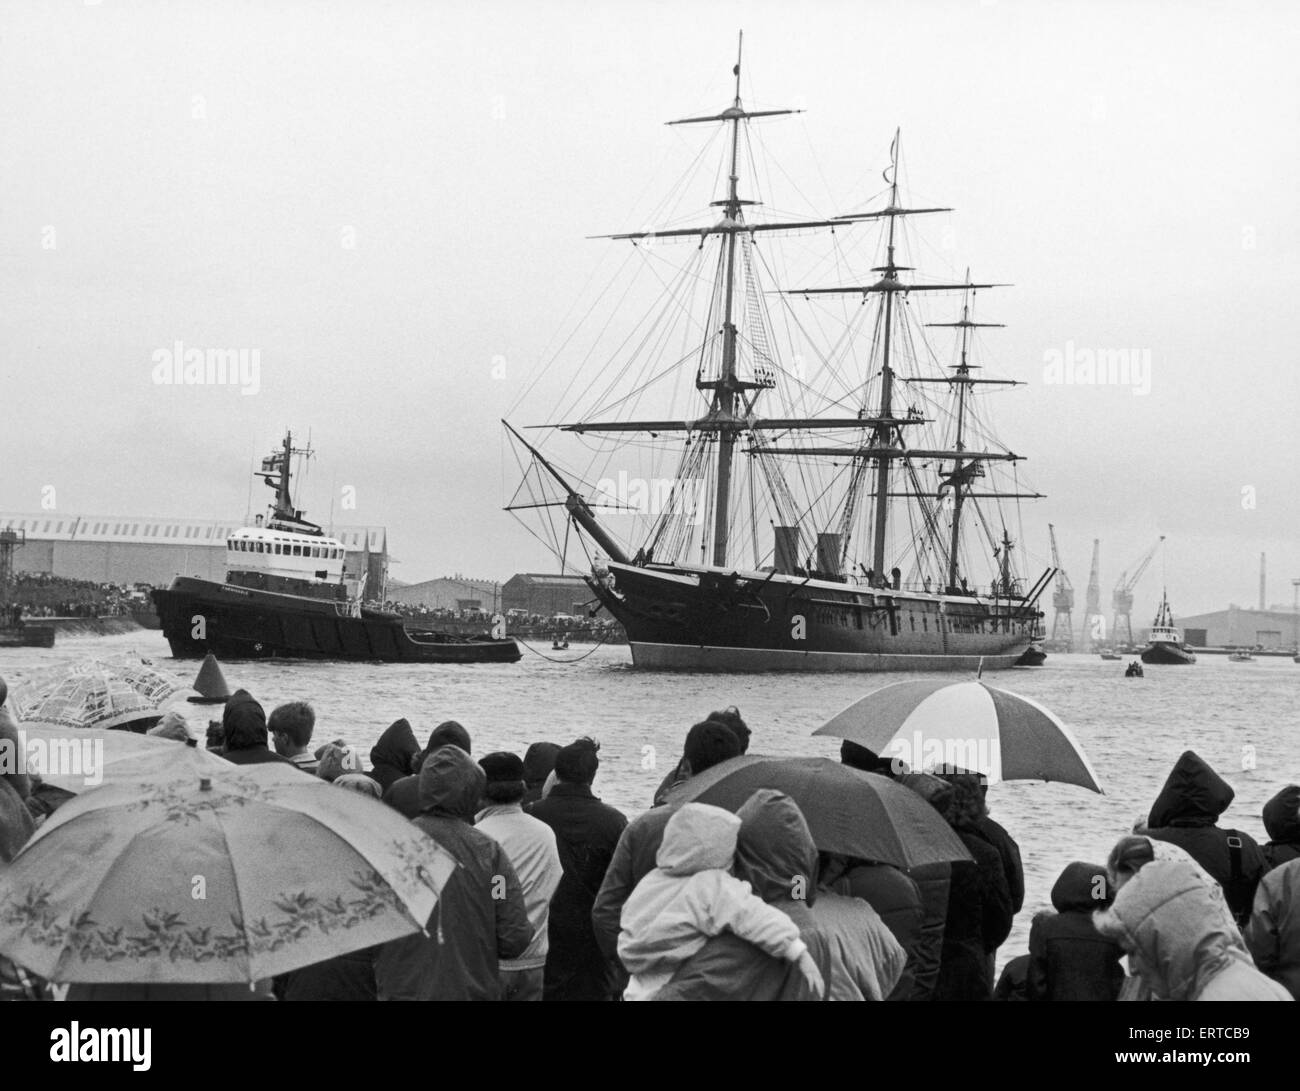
[[932, 881], [1185, 813], [867, 962], [775, 854], [978, 921], [691, 896], [896, 899], [633, 859], [1068, 958], [393, 756], [1174, 923], [1273, 934], [480, 917], [1282, 822], [243, 726]]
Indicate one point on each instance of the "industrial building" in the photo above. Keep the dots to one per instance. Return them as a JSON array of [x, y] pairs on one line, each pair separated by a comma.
[[1273, 629], [547, 595], [137, 549], [450, 593]]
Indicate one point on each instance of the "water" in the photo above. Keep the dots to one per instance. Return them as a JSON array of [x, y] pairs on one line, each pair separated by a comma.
[[1132, 730]]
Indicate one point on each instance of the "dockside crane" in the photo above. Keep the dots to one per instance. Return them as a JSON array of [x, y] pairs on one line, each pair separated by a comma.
[[1094, 625], [1062, 602], [1122, 600]]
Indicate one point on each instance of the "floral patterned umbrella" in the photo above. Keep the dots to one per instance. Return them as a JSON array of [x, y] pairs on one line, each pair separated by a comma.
[[96, 693], [78, 759], [234, 876]]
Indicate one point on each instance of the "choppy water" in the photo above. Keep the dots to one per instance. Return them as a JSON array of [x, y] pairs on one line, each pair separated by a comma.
[[1132, 730]]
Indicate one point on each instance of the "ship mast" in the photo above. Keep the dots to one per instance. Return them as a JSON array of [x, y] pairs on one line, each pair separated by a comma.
[[276, 473]]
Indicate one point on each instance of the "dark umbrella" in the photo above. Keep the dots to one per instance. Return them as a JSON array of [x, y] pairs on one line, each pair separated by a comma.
[[849, 812]]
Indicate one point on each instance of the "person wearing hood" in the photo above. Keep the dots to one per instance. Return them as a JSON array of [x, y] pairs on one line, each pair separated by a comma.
[[539, 763], [776, 856], [707, 744], [404, 794], [243, 725], [933, 882], [1173, 921], [1273, 934], [691, 896], [586, 832], [1282, 823], [1068, 958], [979, 902], [481, 916], [394, 755], [530, 844], [895, 900], [1185, 813]]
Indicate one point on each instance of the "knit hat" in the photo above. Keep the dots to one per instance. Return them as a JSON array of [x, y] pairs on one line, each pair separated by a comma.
[[338, 760], [172, 726]]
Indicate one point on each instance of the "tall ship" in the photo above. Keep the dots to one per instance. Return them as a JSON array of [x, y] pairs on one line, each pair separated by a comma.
[[832, 503], [287, 595], [1165, 644]]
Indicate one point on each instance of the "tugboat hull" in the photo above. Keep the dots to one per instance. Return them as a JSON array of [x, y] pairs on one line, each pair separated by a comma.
[[199, 616], [1169, 655], [679, 619]]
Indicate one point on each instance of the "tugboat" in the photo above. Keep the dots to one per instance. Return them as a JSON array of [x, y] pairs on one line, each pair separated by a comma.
[[1110, 655], [286, 596], [1241, 655], [1165, 644], [1134, 670]]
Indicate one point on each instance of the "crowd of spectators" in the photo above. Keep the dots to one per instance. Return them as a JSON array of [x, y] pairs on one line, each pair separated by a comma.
[[43, 594]]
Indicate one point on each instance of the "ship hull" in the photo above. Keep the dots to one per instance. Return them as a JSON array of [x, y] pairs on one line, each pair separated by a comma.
[[1169, 655], [200, 616], [713, 619]]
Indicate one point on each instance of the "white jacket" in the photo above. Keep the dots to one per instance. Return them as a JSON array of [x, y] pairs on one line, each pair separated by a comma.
[[690, 897]]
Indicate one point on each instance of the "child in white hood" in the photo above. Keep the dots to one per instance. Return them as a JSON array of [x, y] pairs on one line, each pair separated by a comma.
[[691, 896]]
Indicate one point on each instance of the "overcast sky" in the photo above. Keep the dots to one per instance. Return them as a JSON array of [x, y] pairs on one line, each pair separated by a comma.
[[388, 201]]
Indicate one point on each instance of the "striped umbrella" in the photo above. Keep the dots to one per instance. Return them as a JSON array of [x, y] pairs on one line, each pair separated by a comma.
[[934, 724]]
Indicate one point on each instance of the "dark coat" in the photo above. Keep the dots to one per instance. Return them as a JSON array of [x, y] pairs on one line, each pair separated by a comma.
[[393, 756], [243, 724], [403, 795], [344, 977], [978, 921], [932, 882], [1184, 814], [1282, 823], [1009, 851], [1068, 958], [586, 834], [473, 925]]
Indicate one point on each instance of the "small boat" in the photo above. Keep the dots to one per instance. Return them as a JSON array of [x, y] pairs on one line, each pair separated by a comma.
[[1165, 645], [561, 644], [1034, 657], [1134, 670], [1241, 655], [1110, 656]]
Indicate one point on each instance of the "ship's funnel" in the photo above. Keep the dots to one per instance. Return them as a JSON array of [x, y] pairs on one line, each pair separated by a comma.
[[786, 551], [828, 554]]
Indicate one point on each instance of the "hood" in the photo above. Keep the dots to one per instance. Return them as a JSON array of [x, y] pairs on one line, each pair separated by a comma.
[[539, 761], [244, 722], [775, 853], [698, 837], [1282, 814], [396, 748], [1079, 886], [451, 784], [1173, 920], [1193, 795]]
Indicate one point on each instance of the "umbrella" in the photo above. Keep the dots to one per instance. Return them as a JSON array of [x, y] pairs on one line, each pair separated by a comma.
[[77, 759], [849, 812], [965, 725], [96, 693], [242, 874]]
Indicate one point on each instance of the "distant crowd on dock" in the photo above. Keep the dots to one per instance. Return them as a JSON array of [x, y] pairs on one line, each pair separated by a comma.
[[558, 896], [43, 594]]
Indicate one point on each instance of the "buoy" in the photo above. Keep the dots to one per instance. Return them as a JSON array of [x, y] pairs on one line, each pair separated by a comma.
[[210, 683]]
